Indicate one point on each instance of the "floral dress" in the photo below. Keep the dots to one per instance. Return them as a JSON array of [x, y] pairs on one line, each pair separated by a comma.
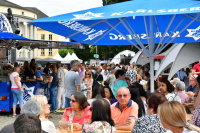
[[99, 127]]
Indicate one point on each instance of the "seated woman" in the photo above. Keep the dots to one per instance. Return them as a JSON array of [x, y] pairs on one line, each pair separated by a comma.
[[177, 122], [151, 123], [97, 92], [135, 96], [180, 87], [78, 111], [101, 118], [168, 89], [47, 125], [109, 95]]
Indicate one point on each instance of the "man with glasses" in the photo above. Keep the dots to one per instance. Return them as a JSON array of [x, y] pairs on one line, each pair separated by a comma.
[[125, 111], [72, 81], [193, 84]]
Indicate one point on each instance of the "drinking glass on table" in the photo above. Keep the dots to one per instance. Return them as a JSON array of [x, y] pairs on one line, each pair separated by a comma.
[[65, 126]]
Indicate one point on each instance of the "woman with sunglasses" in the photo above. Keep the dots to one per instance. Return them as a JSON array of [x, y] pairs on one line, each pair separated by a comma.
[[86, 83], [101, 118], [78, 111]]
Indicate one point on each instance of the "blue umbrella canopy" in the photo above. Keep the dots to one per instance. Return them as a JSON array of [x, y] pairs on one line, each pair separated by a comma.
[[129, 23], [135, 23], [6, 35]]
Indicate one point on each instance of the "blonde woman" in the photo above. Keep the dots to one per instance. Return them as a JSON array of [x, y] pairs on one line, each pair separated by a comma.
[[47, 125], [176, 122], [87, 82], [16, 89]]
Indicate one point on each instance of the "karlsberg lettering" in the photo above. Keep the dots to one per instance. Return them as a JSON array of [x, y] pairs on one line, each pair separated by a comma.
[[90, 32]]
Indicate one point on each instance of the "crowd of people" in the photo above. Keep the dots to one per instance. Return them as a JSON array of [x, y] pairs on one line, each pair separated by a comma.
[[108, 98]]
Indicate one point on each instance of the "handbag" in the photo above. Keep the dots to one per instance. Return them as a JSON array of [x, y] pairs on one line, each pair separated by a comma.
[[44, 81]]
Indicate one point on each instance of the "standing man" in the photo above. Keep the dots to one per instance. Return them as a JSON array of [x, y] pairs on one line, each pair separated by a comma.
[[72, 81], [196, 69], [46, 70], [132, 74], [61, 87], [82, 71]]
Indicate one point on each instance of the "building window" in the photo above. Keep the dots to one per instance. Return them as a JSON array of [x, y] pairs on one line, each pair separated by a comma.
[[42, 36], [50, 37], [50, 51], [42, 51]]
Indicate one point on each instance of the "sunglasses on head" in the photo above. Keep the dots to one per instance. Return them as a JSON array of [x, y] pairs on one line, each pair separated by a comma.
[[120, 96], [72, 100]]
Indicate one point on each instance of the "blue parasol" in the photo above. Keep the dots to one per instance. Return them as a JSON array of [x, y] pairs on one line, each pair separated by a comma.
[[137, 23]]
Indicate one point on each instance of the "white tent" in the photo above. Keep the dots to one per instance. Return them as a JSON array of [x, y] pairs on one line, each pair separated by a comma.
[[181, 56], [74, 57], [116, 59], [140, 59], [58, 57], [68, 58]]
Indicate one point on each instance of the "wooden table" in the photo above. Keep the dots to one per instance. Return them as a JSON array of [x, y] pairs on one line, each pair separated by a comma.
[[118, 131]]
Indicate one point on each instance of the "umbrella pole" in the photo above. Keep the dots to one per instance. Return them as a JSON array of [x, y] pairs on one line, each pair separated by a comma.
[[151, 58]]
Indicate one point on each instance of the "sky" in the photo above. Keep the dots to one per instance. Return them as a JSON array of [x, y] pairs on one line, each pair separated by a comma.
[[56, 7]]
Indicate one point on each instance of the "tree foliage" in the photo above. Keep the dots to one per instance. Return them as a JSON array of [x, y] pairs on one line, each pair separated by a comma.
[[64, 52]]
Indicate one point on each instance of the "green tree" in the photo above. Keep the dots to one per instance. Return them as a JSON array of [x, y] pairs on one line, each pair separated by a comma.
[[107, 52], [64, 52]]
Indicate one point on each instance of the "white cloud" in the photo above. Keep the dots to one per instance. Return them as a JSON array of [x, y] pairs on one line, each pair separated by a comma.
[[56, 7]]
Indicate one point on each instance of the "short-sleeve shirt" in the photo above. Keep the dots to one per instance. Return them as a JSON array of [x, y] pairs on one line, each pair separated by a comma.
[[195, 119], [116, 85], [196, 67], [71, 80], [38, 85], [149, 124], [12, 76], [86, 115], [119, 116], [96, 127], [54, 81]]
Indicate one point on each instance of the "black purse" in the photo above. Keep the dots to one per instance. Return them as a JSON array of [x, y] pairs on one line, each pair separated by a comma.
[[44, 81]]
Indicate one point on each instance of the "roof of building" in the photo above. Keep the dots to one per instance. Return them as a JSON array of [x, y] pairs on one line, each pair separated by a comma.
[[39, 13]]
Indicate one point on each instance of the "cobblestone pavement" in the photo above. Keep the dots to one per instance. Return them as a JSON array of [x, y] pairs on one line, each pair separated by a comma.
[[6, 119]]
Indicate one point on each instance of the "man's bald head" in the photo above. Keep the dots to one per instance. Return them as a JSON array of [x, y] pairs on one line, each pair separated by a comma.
[[123, 89], [123, 96]]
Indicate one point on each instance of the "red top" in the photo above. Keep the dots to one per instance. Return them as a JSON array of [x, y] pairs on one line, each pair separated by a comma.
[[196, 67], [86, 115]]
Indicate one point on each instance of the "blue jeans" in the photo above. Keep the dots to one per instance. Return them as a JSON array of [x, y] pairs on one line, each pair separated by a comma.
[[67, 102], [53, 94], [17, 96]]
